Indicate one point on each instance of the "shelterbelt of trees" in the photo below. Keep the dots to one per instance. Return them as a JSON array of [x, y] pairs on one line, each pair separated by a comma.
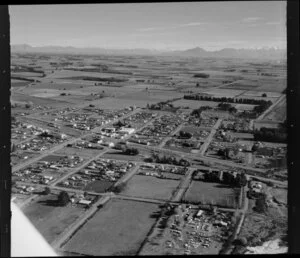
[[228, 100], [261, 104]]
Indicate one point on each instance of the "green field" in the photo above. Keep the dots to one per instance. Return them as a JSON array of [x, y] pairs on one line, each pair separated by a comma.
[[150, 187], [211, 193], [119, 228], [49, 219]]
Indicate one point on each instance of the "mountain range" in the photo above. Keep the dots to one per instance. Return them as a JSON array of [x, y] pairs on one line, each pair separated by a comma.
[[244, 53]]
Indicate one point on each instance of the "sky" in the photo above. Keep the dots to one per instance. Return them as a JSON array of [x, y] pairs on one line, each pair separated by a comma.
[[160, 26]]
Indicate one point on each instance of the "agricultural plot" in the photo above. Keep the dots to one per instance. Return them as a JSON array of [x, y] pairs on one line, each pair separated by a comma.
[[150, 187], [193, 104], [224, 92], [49, 218], [119, 228], [211, 193]]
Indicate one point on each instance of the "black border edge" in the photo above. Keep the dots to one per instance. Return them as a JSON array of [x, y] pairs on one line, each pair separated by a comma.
[[293, 91], [5, 123]]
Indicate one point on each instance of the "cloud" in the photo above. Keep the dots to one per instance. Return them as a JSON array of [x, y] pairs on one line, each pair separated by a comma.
[[151, 29], [190, 24], [251, 19]]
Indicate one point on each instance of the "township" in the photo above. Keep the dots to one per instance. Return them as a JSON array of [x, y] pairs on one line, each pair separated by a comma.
[[127, 155]]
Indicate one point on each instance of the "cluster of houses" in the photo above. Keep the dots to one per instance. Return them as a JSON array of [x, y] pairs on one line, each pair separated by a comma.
[[139, 119], [160, 171], [88, 118], [30, 176], [85, 145], [236, 125], [117, 133], [42, 141], [187, 144], [44, 172], [99, 170], [154, 133], [23, 189], [194, 229], [202, 121], [22, 131]]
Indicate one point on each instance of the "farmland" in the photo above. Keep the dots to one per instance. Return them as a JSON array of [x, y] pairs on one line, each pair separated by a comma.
[[151, 187], [49, 218], [211, 193], [108, 233]]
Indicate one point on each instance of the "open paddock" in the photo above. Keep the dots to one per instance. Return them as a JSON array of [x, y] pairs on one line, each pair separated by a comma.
[[98, 186], [119, 228], [150, 187], [244, 107], [116, 103], [211, 193], [50, 219], [224, 92], [193, 104]]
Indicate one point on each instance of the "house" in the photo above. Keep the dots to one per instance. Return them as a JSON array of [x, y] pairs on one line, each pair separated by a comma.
[[84, 202], [199, 213], [127, 130]]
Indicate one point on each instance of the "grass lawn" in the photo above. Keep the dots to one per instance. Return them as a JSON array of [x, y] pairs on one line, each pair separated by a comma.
[[150, 187], [51, 220], [119, 228], [211, 193]]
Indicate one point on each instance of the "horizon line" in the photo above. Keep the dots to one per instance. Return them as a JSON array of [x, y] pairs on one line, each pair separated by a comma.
[[152, 49]]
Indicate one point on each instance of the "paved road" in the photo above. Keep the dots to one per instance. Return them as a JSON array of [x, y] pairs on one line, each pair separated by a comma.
[[213, 131], [184, 184]]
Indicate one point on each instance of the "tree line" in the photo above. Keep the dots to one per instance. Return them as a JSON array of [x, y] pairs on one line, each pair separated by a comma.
[[270, 135]]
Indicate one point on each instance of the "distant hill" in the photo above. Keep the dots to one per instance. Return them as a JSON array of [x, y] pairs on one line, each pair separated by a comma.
[[260, 53]]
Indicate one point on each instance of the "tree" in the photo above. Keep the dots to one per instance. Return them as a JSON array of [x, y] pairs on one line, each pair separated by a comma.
[[241, 241], [63, 198], [243, 180], [264, 95], [28, 105], [119, 188], [261, 205], [47, 191]]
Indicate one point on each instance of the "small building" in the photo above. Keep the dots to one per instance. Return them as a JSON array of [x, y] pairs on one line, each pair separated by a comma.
[[127, 130], [85, 202]]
